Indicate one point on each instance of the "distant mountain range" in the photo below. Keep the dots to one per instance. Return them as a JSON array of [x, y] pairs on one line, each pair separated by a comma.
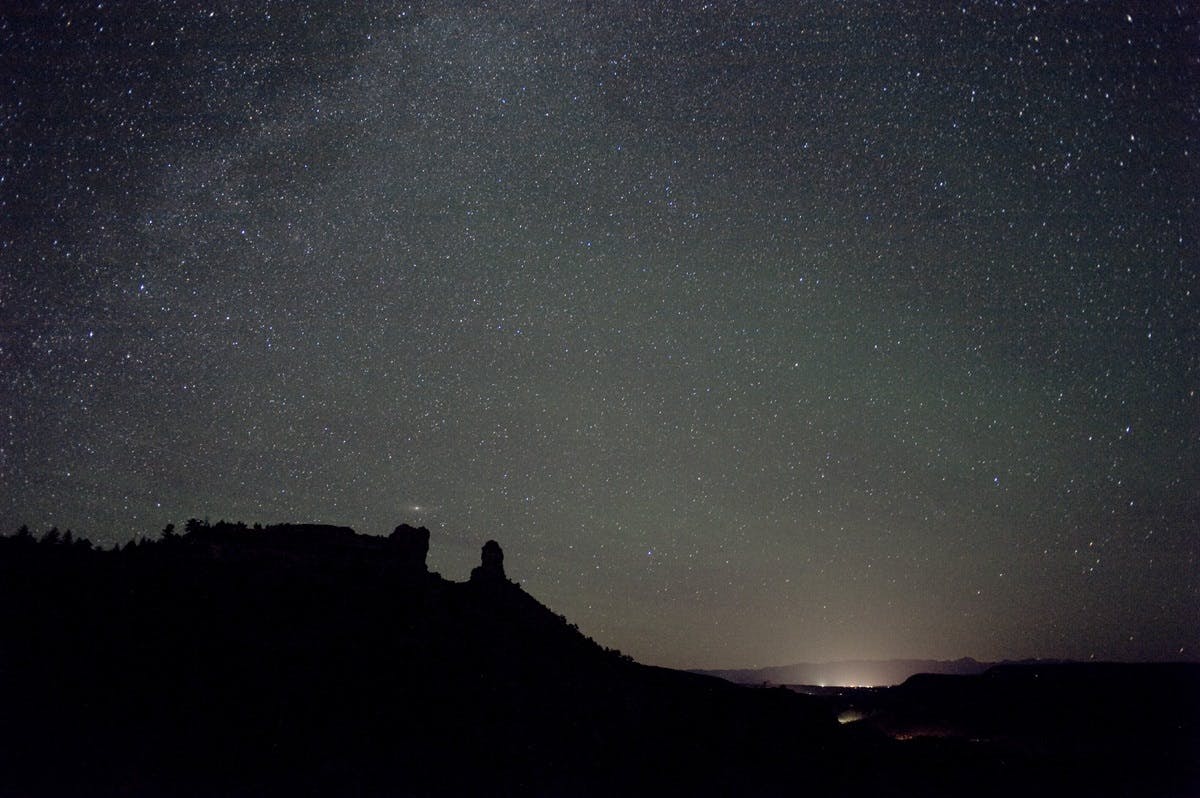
[[865, 673], [851, 673]]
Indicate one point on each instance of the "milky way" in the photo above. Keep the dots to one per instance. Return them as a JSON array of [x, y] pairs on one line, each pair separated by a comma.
[[755, 332]]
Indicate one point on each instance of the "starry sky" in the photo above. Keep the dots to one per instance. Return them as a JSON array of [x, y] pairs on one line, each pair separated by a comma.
[[756, 332]]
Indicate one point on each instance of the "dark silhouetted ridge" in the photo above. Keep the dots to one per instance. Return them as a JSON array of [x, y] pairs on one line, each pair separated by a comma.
[[306, 659]]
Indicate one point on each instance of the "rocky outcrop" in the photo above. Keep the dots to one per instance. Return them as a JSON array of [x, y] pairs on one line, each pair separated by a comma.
[[410, 545], [491, 566]]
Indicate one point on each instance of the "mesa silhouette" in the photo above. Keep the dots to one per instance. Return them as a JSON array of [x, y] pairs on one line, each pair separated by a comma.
[[290, 659], [312, 660]]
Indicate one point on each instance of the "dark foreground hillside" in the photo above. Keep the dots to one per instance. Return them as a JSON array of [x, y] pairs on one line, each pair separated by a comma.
[[309, 660]]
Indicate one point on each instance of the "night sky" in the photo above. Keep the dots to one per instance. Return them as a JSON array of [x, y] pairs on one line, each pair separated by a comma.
[[755, 332]]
